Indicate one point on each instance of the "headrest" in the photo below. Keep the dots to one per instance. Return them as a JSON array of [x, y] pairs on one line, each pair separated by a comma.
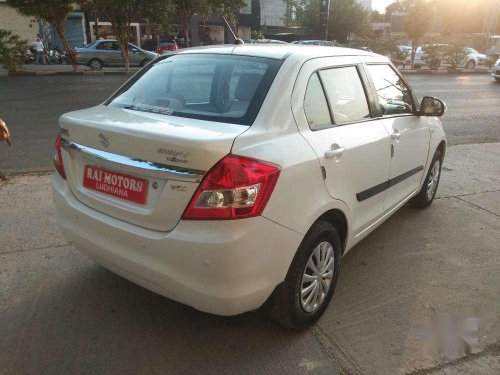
[[247, 85]]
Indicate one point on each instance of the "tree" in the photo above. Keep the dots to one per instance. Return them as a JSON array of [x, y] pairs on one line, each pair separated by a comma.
[[12, 50], [159, 14], [347, 17], [455, 54], [119, 13], [376, 16], [419, 19], [55, 12], [397, 6], [184, 9]]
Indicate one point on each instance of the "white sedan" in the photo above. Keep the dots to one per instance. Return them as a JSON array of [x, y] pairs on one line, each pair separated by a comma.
[[495, 72], [231, 177]]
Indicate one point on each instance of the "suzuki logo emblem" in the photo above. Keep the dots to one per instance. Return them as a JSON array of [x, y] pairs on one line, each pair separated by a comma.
[[104, 140]]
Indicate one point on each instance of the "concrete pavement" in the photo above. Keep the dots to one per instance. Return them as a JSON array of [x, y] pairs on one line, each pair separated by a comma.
[[61, 313]]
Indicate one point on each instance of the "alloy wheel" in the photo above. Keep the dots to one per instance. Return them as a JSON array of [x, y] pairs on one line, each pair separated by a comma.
[[317, 277], [433, 180]]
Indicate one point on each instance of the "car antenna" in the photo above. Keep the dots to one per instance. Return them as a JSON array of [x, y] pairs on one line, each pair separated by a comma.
[[236, 39]]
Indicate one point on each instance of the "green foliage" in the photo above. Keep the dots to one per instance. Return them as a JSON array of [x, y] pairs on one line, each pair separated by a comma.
[[419, 18], [383, 46], [183, 10], [435, 55], [377, 17], [455, 54], [257, 35], [119, 13], [49, 10], [159, 14], [347, 17], [12, 50], [53, 11]]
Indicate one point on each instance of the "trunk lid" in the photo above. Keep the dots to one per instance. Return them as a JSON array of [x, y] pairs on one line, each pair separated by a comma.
[[168, 155]]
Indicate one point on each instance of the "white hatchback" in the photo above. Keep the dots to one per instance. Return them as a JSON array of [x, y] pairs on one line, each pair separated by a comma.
[[234, 177]]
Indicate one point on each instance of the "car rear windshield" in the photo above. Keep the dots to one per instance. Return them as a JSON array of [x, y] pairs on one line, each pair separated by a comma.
[[223, 88]]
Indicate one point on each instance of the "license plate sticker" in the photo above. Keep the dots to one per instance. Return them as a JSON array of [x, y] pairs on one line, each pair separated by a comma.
[[124, 186]]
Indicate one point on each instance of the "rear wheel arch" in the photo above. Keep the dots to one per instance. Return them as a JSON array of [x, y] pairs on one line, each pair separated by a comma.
[[339, 220]]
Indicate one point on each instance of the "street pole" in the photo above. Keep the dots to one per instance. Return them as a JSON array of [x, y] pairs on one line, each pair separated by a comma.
[[325, 15]]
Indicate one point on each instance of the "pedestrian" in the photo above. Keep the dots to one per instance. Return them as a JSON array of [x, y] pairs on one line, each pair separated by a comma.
[[4, 133], [38, 44]]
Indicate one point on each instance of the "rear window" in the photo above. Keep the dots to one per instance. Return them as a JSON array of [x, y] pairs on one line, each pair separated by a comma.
[[223, 88]]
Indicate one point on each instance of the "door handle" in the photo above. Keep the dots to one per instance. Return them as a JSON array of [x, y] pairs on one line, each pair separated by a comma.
[[335, 152], [395, 136]]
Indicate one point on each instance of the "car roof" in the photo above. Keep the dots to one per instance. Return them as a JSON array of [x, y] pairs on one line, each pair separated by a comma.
[[278, 51]]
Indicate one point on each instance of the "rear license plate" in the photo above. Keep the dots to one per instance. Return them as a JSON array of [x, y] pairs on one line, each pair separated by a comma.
[[117, 184]]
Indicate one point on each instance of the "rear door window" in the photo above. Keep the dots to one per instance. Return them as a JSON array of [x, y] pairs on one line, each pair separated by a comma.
[[316, 106], [224, 88], [346, 94]]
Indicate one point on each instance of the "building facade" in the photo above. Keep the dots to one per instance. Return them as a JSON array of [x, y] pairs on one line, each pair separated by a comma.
[[12, 20]]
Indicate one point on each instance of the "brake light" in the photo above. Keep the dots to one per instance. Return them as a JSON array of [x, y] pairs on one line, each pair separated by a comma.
[[58, 163], [237, 187]]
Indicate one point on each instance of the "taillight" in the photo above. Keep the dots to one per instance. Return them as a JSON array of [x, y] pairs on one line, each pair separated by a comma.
[[237, 187], [58, 163]]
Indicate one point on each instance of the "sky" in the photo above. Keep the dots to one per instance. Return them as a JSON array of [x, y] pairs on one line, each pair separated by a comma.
[[381, 4]]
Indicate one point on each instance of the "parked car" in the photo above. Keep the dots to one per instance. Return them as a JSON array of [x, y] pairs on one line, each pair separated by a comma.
[[107, 53], [266, 41], [232, 176], [407, 51], [495, 72], [315, 42], [422, 52], [472, 60], [165, 47]]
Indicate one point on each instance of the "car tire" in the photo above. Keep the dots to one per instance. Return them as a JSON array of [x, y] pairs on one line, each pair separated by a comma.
[[497, 79], [428, 191], [290, 305], [95, 64], [144, 62], [471, 64]]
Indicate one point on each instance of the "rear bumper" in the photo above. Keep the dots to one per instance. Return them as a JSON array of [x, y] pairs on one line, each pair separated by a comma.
[[220, 267]]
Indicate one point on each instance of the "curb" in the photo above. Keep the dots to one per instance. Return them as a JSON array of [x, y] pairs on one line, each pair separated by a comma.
[[452, 72], [52, 73]]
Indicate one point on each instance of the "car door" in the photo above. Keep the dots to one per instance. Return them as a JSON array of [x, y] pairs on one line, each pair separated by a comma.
[[109, 53], [135, 55], [409, 133], [332, 110]]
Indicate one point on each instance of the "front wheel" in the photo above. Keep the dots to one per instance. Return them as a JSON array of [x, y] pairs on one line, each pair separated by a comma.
[[470, 65], [311, 279], [426, 195]]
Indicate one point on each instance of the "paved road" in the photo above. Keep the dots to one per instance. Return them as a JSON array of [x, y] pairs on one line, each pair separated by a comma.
[[32, 106], [60, 313]]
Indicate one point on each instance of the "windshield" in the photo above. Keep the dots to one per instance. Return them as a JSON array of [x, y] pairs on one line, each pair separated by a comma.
[[471, 51], [224, 88]]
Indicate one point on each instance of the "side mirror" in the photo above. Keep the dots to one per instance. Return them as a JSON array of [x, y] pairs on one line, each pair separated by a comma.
[[432, 107]]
